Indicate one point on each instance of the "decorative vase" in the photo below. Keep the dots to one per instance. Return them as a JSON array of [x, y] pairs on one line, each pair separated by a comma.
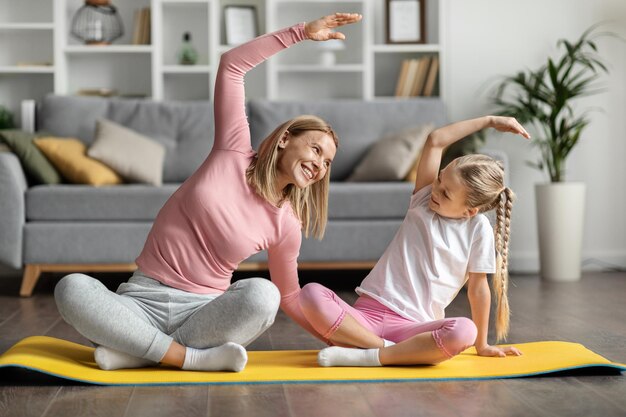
[[327, 57], [560, 220], [97, 23], [187, 54]]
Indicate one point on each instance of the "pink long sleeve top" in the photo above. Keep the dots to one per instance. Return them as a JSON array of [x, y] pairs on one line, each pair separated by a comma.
[[216, 220]]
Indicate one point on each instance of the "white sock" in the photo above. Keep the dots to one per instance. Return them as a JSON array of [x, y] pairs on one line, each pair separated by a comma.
[[111, 359], [227, 357], [340, 356]]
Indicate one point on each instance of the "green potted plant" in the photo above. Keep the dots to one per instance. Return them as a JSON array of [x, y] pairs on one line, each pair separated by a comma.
[[543, 99], [6, 118]]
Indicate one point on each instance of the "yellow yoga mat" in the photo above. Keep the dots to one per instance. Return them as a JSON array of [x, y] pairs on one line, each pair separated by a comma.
[[75, 362]]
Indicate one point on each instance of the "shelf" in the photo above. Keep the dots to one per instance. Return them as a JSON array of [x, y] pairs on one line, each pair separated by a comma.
[[187, 69], [26, 69], [26, 26], [38, 31], [420, 48], [108, 49], [320, 68], [183, 2], [319, 2]]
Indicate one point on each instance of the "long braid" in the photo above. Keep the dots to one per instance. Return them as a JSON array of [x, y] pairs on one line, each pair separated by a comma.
[[501, 277], [484, 181]]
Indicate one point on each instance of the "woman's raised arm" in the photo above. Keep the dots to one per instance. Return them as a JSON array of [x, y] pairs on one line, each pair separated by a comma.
[[231, 124]]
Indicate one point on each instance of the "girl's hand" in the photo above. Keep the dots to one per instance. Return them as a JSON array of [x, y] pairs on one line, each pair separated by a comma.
[[321, 29], [507, 124], [489, 350]]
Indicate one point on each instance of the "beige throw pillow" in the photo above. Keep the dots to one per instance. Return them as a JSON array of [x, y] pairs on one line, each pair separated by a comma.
[[134, 156], [391, 158]]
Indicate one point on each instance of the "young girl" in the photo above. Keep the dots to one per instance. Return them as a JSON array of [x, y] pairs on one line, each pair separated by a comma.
[[179, 308], [443, 242]]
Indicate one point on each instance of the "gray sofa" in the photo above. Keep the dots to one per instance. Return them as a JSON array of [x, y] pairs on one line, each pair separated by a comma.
[[83, 228]]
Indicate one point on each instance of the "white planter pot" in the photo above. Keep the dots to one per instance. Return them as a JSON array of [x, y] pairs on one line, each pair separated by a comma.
[[560, 218]]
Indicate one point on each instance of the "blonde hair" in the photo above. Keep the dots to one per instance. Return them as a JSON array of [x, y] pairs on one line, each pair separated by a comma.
[[309, 204], [483, 178]]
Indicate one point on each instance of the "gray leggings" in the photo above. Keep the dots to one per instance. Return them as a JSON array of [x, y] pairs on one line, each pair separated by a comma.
[[144, 316]]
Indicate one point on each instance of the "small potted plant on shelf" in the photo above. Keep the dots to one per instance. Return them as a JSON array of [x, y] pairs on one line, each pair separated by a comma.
[[544, 98]]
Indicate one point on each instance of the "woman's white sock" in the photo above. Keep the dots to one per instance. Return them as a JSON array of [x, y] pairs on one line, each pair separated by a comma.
[[111, 359], [340, 356], [227, 357]]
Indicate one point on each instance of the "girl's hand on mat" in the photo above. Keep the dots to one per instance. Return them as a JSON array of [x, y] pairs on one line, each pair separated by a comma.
[[321, 29], [489, 350]]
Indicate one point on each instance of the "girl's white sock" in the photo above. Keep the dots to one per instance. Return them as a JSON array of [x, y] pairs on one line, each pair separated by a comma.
[[340, 356], [111, 359], [227, 357]]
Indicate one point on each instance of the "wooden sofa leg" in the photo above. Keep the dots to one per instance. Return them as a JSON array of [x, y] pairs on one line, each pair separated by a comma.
[[29, 280]]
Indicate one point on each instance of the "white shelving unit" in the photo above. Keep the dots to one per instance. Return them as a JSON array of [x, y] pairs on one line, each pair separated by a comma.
[[26, 52], [171, 19], [38, 32]]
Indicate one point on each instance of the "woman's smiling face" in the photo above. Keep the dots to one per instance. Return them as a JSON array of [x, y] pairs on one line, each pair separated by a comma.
[[305, 159]]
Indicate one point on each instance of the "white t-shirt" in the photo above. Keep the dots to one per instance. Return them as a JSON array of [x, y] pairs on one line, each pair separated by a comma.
[[426, 264]]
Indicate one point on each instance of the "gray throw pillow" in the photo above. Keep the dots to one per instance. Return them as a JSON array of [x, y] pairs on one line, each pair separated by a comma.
[[135, 157], [391, 158]]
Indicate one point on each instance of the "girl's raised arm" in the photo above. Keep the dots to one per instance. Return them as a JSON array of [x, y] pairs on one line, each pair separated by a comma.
[[439, 139]]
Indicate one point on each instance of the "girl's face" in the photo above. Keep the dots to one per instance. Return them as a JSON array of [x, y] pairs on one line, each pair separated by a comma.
[[449, 196], [305, 159]]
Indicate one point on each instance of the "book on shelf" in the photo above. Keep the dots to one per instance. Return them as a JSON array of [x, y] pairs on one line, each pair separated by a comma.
[[420, 76], [407, 77], [417, 76], [141, 29], [99, 92], [429, 87], [33, 64], [404, 68]]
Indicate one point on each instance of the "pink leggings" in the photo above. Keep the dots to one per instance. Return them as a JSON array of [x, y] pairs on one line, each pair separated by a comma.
[[325, 311]]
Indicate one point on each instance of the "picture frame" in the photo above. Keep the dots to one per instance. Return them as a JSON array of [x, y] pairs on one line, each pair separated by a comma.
[[406, 21], [240, 23]]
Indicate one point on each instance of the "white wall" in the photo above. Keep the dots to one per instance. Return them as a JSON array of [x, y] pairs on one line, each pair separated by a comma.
[[487, 39]]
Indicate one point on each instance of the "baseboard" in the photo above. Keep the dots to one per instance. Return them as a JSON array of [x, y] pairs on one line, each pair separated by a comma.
[[528, 262]]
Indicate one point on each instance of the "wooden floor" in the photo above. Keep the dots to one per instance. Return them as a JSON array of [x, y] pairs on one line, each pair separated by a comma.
[[590, 312]]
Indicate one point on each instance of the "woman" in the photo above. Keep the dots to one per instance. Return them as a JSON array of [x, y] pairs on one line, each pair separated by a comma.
[[179, 307]]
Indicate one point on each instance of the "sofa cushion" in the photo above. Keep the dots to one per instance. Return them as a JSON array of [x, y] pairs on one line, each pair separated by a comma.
[[352, 201], [69, 156], [185, 129], [82, 203], [38, 169], [358, 123], [135, 157], [138, 202], [391, 158]]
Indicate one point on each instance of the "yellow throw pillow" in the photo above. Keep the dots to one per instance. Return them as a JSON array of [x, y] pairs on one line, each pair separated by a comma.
[[411, 176], [69, 156]]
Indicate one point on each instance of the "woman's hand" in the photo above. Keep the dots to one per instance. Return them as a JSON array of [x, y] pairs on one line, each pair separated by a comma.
[[507, 124], [489, 350], [321, 29]]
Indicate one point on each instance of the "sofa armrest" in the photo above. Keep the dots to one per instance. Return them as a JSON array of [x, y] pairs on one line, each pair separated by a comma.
[[13, 186]]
